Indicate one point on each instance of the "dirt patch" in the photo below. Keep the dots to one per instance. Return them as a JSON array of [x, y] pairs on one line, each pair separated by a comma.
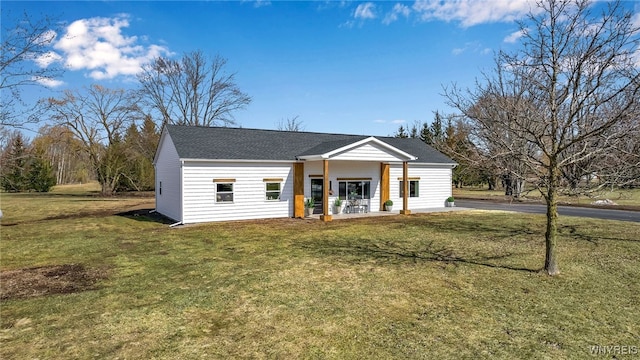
[[48, 280]]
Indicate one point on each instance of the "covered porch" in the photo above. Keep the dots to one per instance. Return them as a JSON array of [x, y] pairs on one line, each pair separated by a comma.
[[357, 173]]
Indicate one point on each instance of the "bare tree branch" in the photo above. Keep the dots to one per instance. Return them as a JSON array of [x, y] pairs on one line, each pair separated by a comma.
[[563, 103], [25, 62], [193, 91], [291, 124]]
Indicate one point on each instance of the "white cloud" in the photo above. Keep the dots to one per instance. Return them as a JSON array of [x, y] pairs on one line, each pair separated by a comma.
[[98, 45], [473, 12], [398, 9], [261, 3], [365, 11], [472, 47], [46, 38], [46, 59], [48, 82], [635, 20], [514, 36], [397, 121]]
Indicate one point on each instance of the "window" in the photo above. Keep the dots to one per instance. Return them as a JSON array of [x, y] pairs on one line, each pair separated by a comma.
[[224, 192], [354, 189], [413, 188], [272, 190]]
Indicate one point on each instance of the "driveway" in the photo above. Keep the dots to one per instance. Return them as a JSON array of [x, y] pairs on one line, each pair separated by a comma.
[[598, 213]]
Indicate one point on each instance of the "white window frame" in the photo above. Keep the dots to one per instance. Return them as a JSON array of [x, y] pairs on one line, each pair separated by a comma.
[[417, 187], [219, 193], [267, 191]]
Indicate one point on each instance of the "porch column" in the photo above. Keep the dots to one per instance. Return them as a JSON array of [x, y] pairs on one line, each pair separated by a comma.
[[298, 190], [326, 216], [405, 189], [384, 184]]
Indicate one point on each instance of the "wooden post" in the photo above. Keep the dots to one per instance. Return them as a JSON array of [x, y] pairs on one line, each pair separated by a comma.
[[298, 190], [405, 189], [326, 216], [384, 184]]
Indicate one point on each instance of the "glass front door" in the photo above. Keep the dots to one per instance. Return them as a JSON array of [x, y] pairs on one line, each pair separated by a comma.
[[316, 190]]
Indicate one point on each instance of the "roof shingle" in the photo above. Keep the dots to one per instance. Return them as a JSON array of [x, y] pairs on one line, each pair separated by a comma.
[[195, 142]]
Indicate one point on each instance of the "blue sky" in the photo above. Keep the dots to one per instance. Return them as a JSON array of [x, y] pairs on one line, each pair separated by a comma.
[[342, 67]]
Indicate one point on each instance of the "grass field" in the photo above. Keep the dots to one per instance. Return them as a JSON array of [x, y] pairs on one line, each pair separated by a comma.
[[90, 277], [629, 198]]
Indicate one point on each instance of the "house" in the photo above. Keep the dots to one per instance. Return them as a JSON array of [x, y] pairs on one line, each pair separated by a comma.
[[218, 173]]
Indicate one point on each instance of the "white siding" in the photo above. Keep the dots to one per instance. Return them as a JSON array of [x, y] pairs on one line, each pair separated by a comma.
[[346, 169], [169, 202], [434, 185], [366, 152], [249, 198]]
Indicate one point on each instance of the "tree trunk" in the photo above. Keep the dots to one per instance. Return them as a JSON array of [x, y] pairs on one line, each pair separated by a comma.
[[551, 260], [506, 182], [517, 186], [491, 181]]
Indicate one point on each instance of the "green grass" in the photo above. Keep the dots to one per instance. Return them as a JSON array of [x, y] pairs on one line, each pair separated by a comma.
[[447, 285], [623, 197]]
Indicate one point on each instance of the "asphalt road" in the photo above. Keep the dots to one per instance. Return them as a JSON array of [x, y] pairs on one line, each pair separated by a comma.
[[599, 213]]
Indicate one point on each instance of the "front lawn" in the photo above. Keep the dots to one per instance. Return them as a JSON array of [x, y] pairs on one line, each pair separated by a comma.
[[89, 277]]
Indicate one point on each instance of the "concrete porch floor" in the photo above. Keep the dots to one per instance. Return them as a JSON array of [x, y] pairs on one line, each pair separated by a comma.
[[387, 213]]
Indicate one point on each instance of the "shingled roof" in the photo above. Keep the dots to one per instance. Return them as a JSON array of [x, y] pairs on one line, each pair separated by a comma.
[[195, 142]]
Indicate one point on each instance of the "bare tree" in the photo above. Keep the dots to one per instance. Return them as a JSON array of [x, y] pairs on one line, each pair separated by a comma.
[[193, 91], [500, 136], [291, 124], [98, 118], [64, 151], [25, 61], [573, 84]]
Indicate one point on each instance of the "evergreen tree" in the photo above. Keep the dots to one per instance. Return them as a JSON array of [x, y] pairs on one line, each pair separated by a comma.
[[425, 133], [139, 148], [414, 132], [40, 175], [401, 133], [14, 166]]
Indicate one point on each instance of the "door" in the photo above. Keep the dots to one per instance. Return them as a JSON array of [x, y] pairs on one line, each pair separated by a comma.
[[316, 190]]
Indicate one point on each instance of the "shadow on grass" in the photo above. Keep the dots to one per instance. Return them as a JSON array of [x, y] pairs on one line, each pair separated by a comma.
[[394, 252], [506, 230], [89, 195], [146, 215], [138, 214], [574, 232]]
